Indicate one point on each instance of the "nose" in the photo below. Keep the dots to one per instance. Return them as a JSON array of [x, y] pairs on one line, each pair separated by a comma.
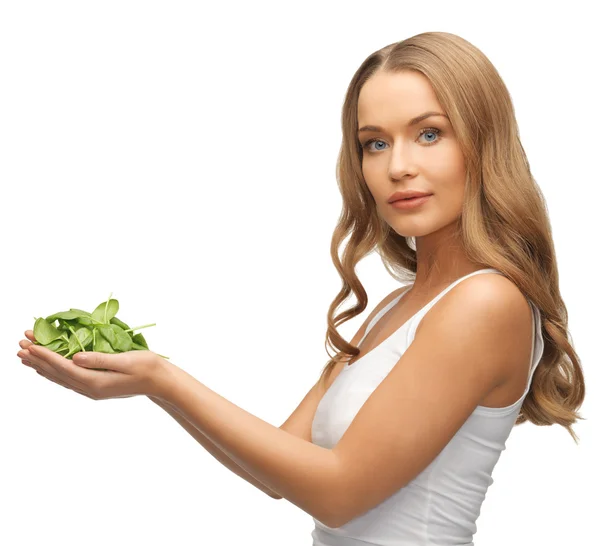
[[401, 163]]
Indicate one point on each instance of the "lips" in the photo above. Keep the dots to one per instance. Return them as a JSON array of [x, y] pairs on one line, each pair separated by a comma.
[[408, 203], [407, 195], [411, 198]]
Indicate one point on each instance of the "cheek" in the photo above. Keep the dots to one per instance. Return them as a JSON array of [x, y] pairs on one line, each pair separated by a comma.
[[372, 185], [450, 197], [450, 165], [451, 183]]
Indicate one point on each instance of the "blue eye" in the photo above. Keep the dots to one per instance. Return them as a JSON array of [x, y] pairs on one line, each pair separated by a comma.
[[431, 130]]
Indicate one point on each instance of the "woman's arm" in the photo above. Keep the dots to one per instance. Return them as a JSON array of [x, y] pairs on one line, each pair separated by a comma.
[[303, 473], [212, 448]]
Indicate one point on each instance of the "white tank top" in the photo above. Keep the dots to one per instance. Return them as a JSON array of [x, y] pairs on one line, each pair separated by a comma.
[[441, 505]]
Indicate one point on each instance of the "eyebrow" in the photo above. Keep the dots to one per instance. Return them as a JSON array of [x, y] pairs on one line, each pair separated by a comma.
[[412, 122]]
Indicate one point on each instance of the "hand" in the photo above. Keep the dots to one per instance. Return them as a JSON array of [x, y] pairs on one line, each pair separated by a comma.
[[127, 374]]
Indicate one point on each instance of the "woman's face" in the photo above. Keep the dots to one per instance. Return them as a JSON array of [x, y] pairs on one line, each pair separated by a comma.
[[424, 156]]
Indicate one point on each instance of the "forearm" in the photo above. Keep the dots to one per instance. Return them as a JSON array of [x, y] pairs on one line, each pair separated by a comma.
[[214, 450], [303, 473]]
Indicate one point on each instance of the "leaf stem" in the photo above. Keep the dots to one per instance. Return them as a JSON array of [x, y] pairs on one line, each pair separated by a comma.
[[140, 327], [106, 307], [76, 337]]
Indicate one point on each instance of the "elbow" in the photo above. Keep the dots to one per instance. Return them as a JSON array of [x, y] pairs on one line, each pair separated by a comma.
[[336, 524], [332, 519], [337, 516]]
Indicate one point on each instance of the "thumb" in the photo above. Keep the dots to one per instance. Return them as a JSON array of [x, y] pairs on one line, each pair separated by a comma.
[[95, 360]]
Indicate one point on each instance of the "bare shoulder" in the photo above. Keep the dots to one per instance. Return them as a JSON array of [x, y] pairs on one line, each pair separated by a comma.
[[488, 291], [486, 301], [497, 293]]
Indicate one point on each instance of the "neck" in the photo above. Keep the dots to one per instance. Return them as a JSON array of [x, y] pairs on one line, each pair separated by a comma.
[[441, 260]]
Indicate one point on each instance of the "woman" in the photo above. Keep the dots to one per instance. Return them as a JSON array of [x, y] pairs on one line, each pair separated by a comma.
[[397, 440]]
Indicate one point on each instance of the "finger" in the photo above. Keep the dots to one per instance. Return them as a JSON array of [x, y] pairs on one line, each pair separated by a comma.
[[29, 335], [28, 355], [65, 368], [51, 377], [62, 384], [24, 354], [34, 361], [51, 358], [40, 365]]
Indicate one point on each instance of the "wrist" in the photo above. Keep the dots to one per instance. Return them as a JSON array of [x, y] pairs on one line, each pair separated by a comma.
[[161, 378]]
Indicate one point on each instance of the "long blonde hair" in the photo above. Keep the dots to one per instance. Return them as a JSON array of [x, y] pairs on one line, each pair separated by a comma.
[[504, 223]]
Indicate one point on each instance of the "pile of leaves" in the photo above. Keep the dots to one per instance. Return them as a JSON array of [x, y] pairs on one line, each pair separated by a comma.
[[72, 331]]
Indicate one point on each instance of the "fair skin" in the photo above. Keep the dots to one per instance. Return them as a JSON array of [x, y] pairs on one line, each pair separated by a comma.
[[450, 367], [401, 158]]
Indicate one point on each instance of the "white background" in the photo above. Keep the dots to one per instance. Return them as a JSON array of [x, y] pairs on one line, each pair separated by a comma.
[[181, 155]]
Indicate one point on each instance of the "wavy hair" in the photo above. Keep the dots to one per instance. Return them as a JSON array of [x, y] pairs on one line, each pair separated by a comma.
[[504, 223]]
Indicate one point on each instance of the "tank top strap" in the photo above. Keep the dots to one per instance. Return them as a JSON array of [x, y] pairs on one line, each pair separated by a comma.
[[416, 319], [380, 314]]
